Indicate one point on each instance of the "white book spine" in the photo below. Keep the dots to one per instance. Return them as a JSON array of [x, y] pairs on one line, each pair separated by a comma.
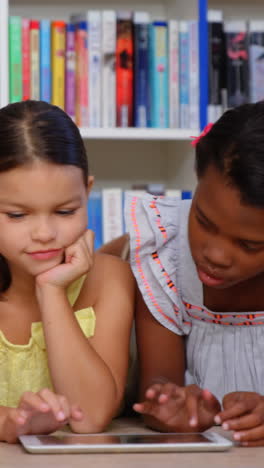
[[4, 79], [112, 213], [235, 26], [174, 117], [194, 74], [256, 60], [94, 67], [175, 193], [108, 68]]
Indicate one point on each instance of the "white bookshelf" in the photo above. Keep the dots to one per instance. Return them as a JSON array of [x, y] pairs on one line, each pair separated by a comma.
[[166, 134], [120, 156]]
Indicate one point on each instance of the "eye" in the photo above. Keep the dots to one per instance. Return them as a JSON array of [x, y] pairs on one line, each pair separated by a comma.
[[202, 222], [251, 247], [66, 212], [15, 215]]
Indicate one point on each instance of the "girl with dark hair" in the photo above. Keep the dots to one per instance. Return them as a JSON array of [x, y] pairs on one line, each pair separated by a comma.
[[200, 270], [65, 312]]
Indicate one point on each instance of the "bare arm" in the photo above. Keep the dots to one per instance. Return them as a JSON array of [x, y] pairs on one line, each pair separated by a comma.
[[91, 372], [161, 354]]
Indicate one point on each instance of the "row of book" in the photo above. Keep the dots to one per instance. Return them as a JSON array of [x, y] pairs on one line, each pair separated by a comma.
[[106, 209], [109, 69], [236, 63]]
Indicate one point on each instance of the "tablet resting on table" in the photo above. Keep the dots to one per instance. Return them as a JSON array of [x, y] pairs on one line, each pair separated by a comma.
[[95, 443]]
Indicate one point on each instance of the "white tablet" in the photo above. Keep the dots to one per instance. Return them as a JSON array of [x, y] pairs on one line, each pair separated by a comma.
[[95, 443]]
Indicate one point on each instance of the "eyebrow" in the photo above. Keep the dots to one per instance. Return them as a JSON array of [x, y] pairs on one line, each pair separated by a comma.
[[20, 205], [200, 212], [249, 241]]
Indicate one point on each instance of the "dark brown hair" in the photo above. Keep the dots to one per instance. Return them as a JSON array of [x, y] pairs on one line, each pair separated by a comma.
[[33, 130]]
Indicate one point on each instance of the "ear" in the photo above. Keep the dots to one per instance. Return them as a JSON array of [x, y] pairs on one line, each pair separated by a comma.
[[90, 182]]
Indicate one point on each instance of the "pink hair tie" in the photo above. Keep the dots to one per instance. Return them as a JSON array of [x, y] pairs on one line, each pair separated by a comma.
[[204, 132]]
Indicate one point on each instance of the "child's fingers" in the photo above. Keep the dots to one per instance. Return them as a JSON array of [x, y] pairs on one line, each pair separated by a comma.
[[210, 401], [192, 409], [32, 401], [238, 409], [248, 421], [153, 392], [57, 404], [142, 408], [76, 413], [255, 434]]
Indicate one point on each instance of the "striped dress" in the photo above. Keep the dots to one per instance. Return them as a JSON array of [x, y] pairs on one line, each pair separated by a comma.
[[224, 351]]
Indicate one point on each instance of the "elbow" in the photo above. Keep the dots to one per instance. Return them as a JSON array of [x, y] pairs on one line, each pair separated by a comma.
[[97, 421], [90, 425]]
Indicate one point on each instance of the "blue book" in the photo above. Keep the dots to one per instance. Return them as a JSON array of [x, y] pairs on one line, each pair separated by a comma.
[[45, 65], [141, 50], [184, 75], [186, 195], [159, 92], [94, 209]]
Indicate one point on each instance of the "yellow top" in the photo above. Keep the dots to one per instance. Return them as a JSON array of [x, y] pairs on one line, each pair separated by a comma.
[[25, 367]]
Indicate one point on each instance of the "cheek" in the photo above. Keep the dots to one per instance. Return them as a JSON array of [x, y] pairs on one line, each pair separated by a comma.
[[75, 229]]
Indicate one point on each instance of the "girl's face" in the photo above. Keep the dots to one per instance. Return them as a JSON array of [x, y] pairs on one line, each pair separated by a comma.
[[43, 209], [226, 237]]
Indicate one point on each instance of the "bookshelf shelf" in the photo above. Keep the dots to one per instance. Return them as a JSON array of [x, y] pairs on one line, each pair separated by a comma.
[[119, 157], [138, 134]]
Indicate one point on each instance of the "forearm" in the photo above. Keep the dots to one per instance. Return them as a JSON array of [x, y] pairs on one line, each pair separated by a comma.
[[4, 435], [77, 371]]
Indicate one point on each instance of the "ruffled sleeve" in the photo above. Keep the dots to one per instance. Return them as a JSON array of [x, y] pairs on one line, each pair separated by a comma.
[[154, 227]]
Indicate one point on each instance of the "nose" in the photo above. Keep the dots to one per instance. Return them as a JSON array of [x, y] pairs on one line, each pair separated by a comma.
[[43, 230], [217, 256]]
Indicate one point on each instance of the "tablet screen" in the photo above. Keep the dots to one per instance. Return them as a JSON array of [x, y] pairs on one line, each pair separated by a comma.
[[102, 439]]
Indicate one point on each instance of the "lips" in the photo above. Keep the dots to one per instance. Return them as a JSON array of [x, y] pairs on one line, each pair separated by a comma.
[[208, 279], [45, 254]]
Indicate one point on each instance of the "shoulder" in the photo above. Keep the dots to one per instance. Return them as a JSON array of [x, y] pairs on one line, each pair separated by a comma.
[[108, 277], [149, 216]]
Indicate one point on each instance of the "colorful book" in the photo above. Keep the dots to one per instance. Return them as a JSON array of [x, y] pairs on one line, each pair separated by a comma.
[[58, 41], [173, 32], [216, 64], [45, 65], [95, 217], [26, 58], [81, 86], [34, 60], [4, 52], [124, 69], [141, 69], [194, 88], [186, 194], [108, 102], [256, 60], [15, 59], [70, 69], [237, 62], [184, 75], [94, 67], [159, 92]]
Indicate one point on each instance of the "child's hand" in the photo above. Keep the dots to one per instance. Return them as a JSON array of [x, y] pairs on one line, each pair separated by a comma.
[[39, 413], [78, 260], [182, 409], [243, 413]]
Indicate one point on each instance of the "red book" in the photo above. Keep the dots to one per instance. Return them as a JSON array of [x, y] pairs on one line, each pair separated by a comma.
[[124, 69], [26, 58], [34, 60]]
